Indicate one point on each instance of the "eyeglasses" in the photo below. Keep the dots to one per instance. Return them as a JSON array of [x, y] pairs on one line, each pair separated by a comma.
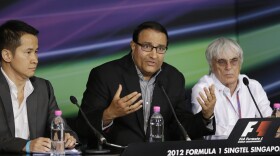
[[224, 63], [148, 48]]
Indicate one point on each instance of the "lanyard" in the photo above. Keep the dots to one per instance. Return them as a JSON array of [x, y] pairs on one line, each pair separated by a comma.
[[238, 104]]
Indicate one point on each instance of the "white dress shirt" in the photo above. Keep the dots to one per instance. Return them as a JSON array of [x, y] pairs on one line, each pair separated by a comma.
[[19, 110], [226, 110]]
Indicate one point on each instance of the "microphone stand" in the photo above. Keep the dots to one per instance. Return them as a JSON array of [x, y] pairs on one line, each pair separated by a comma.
[[255, 102], [246, 82], [186, 136], [101, 139]]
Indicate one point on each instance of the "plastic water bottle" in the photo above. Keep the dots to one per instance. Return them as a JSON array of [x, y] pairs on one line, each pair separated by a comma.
[[156, 126], [57, 134], [276, 114], [276, 110]]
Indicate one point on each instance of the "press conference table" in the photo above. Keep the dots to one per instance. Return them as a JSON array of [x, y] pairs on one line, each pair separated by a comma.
[[249, 137], [195, 147], [198, 147]]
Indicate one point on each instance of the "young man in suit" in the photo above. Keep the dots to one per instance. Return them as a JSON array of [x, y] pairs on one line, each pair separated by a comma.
[[120, 94], [27, 103]]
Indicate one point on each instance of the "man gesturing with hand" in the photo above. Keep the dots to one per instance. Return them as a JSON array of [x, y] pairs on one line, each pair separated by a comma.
[[121, 106], [120, 94]]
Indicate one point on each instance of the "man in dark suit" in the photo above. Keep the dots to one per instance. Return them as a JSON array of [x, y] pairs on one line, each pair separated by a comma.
[[120, 94], [27, 103]]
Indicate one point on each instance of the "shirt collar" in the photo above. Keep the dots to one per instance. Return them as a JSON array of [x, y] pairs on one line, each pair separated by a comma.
[[11, 84], [28, 89], [141, 75]]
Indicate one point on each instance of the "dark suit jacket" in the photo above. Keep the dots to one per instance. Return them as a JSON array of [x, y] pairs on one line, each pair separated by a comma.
[[102, 85], [41, 105]]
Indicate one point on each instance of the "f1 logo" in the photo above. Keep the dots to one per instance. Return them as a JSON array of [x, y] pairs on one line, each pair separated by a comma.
[[249, 128], [261, 129]]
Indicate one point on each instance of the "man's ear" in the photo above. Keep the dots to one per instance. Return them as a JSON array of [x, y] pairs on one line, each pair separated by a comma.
[[132, 46], [6, 55]]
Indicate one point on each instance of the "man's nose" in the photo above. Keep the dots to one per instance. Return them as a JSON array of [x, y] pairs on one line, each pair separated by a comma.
[[34, 58], [154, 52], [228, 65]]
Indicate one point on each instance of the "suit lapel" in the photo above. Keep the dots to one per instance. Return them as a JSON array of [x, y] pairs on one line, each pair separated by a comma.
[[132, 84], [7, 102], [131, 80], [31, 105]]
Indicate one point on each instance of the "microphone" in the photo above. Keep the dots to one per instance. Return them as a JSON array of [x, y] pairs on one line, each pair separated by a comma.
[[101, 139], [246, 82], [186, 136]]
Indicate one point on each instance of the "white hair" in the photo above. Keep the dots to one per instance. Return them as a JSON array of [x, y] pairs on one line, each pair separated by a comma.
[[219, 46]]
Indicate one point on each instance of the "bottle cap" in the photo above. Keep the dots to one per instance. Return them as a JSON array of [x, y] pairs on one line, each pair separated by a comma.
[[58, 113], [276, 105], [156, 109]]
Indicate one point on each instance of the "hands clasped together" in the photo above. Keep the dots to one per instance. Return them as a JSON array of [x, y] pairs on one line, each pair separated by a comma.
[[44, 144]]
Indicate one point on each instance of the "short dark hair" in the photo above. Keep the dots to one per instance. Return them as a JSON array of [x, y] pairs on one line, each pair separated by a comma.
[[149, 25], [11, 32]]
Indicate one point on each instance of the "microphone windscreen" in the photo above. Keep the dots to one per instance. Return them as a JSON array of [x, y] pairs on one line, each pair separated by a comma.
[[246, 81], [73, 100]]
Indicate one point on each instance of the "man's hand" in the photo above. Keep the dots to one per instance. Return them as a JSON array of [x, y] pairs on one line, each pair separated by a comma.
[[121, 106], [207, 103], [69, 140], [40, 145]]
